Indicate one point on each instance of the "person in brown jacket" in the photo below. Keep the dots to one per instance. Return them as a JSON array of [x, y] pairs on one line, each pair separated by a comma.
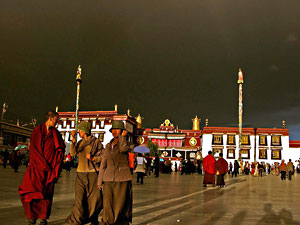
[[88, 198], [290, 169], [115, 176]]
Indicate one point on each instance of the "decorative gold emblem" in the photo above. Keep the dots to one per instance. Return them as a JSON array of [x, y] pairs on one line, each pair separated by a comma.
[[167, 122], [140, 140], [193, 141]]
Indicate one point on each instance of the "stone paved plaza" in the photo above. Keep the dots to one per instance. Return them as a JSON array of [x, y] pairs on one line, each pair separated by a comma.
[[176, 199]]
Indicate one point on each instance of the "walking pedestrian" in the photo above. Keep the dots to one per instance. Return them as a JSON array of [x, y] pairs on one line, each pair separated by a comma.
[[5, 158], [132, 162], [209, 168], [283, 169], [260, 169], [15, 160], [230, 168], [156, 165], [198, 161], [140, 168], [68, 162], [290, 169], [46, 156], [116, 178], [148, 165], [236, 168], [88, 198], [222, 169]]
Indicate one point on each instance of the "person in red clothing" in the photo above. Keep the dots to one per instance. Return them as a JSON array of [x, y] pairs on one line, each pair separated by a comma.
[[209, 168], [131, 161], [222, 169], [47, 150]]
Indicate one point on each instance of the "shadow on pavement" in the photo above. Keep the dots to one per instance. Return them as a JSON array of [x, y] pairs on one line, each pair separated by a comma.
[[271, 217], [239, 218]]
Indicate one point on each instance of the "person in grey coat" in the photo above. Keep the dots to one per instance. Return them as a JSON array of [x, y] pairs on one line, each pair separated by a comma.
[[88, 198], [115, 176]]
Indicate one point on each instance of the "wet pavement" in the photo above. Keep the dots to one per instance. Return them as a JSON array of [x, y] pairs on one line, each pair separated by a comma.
[[176, 199]]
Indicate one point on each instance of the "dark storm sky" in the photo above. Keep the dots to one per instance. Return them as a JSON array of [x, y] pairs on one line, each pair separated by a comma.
[[160, 58]]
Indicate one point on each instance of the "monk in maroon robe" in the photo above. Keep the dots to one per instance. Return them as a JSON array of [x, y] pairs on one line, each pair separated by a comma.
[[209, 168], [222, 169], [46, 155]]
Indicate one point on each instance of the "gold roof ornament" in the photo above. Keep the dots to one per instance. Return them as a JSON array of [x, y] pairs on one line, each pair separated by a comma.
[[78, 74], [283, 124], [196, 123], [116, 107], [139, 121], [206, 122], [128, 112], [240, 77], [56, 109]]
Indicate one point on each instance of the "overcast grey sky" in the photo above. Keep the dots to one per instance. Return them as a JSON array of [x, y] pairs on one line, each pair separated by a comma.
[[163, 59]]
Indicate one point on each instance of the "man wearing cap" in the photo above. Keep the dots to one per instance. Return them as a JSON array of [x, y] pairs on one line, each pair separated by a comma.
[[88, 198], [115, 176]]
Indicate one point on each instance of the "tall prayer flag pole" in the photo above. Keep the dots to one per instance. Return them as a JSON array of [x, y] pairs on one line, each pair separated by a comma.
[[240, 83], [79, 81]]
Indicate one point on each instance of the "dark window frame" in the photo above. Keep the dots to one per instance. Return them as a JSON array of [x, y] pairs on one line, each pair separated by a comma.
[[231, 135], [248, 137], [248, 150], [266, 153], [229, 157], [280, 142], [220, 150], [266, 140], [217, 143], [279, 154]]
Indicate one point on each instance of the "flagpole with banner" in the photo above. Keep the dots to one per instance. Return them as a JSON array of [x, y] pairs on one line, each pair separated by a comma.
[[79, 81], [240, 83], [4, 109]]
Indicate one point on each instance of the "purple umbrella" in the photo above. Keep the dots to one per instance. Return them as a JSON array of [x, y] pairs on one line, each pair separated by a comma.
[[141, 149]]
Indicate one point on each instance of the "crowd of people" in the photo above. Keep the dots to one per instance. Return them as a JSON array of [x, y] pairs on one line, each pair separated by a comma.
[[104, 173]]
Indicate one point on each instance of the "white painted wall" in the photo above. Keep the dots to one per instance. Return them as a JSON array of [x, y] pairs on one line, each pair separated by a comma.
[[286, 152]]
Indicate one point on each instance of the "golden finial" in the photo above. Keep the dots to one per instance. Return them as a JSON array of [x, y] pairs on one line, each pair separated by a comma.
[[283, 124], [196, 123], [206, 122], [167, 122], [56, 109], [116, 107], [240, 77], [139, 121], [128, 112], [78, 76]]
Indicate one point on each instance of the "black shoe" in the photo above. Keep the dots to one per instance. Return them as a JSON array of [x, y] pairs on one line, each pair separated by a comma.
[[31, 222], [43, 222]]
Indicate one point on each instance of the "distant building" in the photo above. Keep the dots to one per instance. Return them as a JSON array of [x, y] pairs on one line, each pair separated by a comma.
[[267, 145], [174, 143], [11, 135], [101, 122], [294, 152]]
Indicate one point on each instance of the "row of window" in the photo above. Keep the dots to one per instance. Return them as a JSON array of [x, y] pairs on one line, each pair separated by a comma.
[[245, 153], [68, 136], [218, 140], [72, 124]]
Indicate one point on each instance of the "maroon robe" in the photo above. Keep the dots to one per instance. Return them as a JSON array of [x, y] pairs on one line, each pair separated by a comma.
[[209, 168], [46, 156], [222, 166]]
